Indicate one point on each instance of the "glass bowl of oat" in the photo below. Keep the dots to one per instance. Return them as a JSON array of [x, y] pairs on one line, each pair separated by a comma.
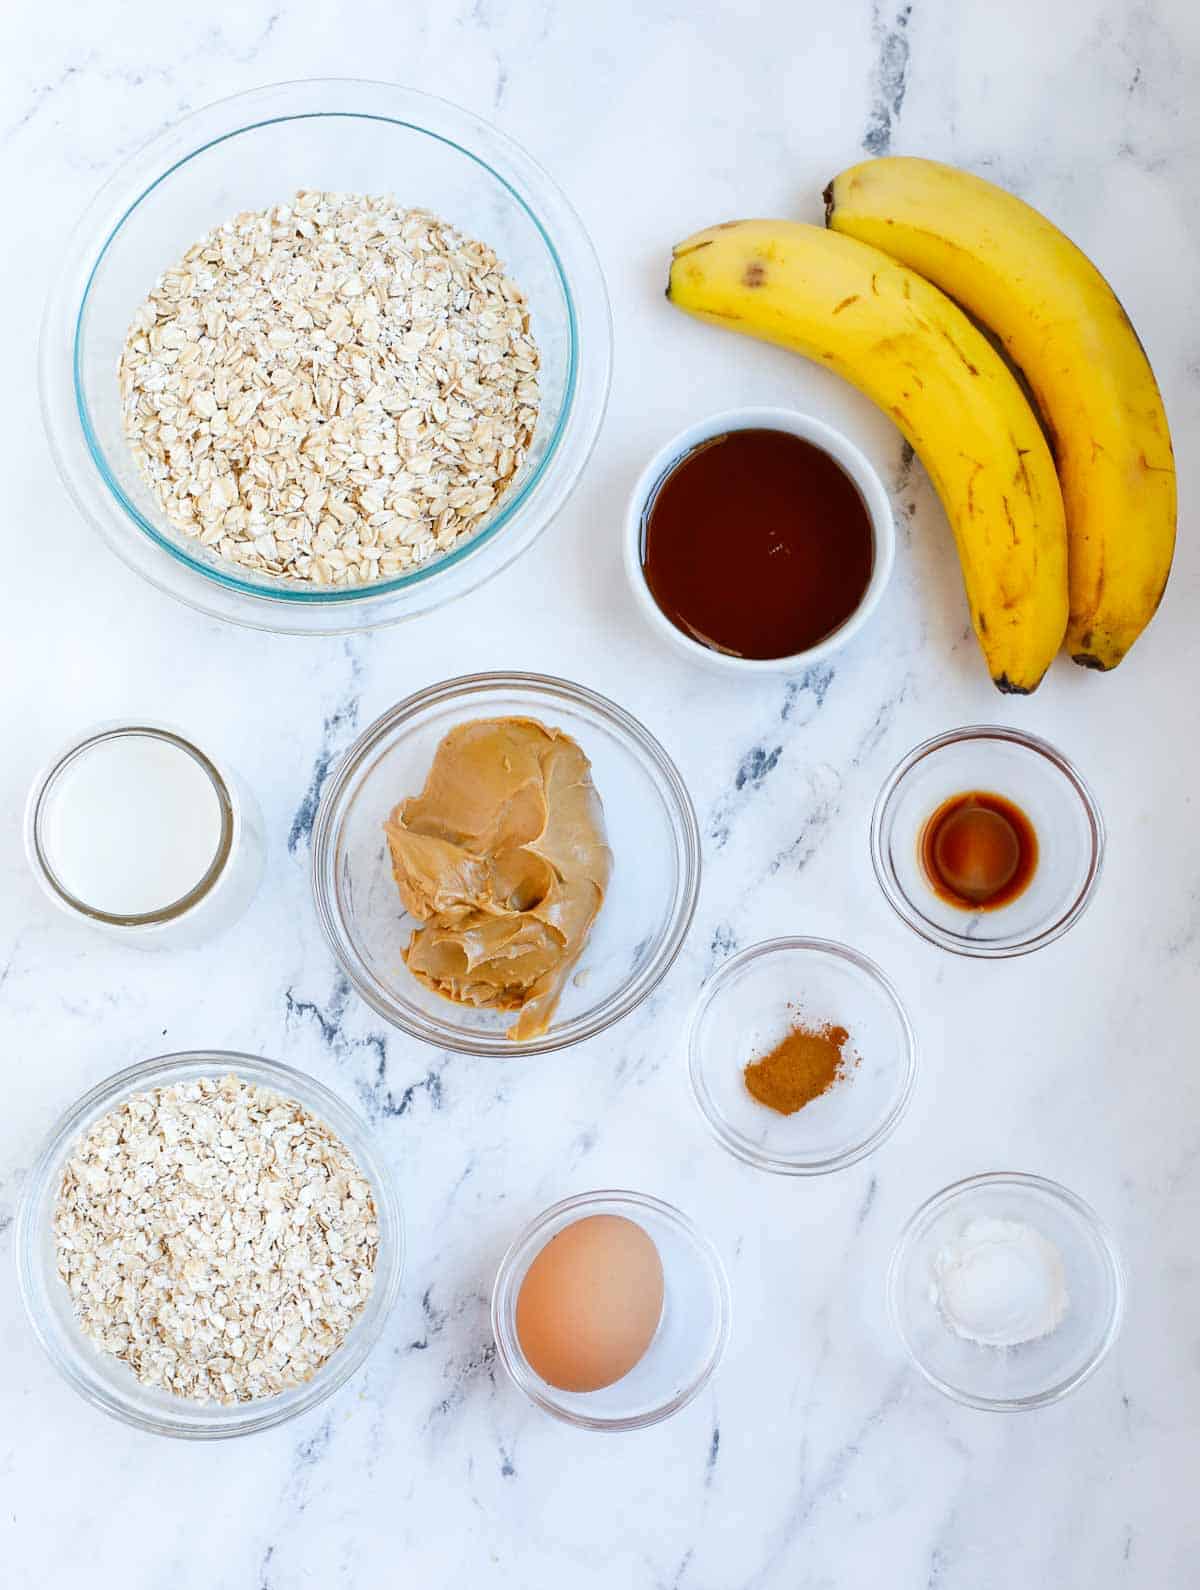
[[649, 897], [324, 356], [208, 1244]]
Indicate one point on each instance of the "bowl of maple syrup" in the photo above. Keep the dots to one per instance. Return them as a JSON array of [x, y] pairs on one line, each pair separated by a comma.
[[987, 841], [759, 540]]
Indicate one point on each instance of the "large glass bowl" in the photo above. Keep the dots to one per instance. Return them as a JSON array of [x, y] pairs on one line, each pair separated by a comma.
[[255, 150], [108, 1383], [652, 832]]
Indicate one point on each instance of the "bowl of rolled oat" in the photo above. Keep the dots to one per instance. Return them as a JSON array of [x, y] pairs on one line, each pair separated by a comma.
[[324, 356], [208, 1244]]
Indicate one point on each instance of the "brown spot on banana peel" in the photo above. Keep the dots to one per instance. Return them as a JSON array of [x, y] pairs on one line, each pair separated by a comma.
[[1012, 523], [845, 303], [755, 274], [973, 369], [682, 249], [975, 471], [1006, 686]]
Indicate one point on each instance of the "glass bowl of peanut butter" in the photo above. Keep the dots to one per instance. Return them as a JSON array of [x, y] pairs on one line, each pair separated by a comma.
[[505, 864]]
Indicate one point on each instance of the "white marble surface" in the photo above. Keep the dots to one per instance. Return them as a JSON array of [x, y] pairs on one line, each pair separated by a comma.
[[817, 1458]]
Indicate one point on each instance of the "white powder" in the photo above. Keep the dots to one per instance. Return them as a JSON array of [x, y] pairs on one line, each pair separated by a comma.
[[1000, 1283]]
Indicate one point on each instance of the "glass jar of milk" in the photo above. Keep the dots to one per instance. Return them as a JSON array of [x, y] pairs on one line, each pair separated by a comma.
[[137, 832]]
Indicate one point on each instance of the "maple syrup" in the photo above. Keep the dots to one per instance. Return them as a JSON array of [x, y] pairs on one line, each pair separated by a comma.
[[757, 544], [978, 850]]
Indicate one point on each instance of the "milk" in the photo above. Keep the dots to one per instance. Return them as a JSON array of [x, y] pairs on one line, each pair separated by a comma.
[[131, 824]]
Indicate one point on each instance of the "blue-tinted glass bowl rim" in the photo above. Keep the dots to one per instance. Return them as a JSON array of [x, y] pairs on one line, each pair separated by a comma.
[[322, 596]]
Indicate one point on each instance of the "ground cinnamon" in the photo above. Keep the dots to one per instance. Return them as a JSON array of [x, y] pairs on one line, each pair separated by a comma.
[[799, 1069]]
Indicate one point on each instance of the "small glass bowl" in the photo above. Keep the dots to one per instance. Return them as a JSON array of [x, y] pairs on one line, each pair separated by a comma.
[[748, 1006], [691, 1336], [1034, 1373], [219, 898], [254, 150], [652, 832], [1036, 778], [108, 1383]]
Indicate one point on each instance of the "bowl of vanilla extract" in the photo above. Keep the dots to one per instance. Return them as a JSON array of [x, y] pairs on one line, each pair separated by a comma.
[[987, 841], [759, 540]]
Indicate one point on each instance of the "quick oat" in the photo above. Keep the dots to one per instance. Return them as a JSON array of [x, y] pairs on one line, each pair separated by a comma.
[[217, 1238], [334, 390]]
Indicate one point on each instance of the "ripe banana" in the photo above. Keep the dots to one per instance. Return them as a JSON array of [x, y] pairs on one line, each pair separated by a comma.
[[1062, 325], [915, 354]]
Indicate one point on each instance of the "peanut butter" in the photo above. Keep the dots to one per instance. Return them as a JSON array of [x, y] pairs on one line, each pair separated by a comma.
[[503, 862]]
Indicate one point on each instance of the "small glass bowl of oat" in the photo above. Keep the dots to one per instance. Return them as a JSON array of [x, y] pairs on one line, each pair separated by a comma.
[[324, 356], [110, 1145]]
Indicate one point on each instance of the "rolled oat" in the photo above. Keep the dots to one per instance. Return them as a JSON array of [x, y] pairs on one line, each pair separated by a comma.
[[217, 1238], [334, 390]]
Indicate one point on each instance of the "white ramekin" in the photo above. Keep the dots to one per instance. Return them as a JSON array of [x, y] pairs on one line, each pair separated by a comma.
[[808, 429]]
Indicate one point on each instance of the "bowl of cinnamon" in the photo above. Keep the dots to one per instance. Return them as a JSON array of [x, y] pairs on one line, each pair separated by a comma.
[[802, 1056]]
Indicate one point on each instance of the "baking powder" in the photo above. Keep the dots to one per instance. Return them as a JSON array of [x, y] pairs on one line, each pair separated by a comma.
[[1000, 1283]]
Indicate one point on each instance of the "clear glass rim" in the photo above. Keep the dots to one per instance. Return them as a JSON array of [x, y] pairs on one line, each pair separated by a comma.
[[326, 835], [159, 1071], [504, 1332], [939, 1201], [733, 1141], [888, 878], [266, 604], [279, 591], [43, 788]]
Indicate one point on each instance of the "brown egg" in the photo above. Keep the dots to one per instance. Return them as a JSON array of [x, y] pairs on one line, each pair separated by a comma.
[[590, 1303]]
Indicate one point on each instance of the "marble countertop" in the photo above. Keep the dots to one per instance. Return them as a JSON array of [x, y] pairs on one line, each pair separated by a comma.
[[817, 1457]]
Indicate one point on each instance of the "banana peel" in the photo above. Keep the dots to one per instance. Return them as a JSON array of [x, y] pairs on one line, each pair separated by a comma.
[[1062, 325], [854, 309]]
